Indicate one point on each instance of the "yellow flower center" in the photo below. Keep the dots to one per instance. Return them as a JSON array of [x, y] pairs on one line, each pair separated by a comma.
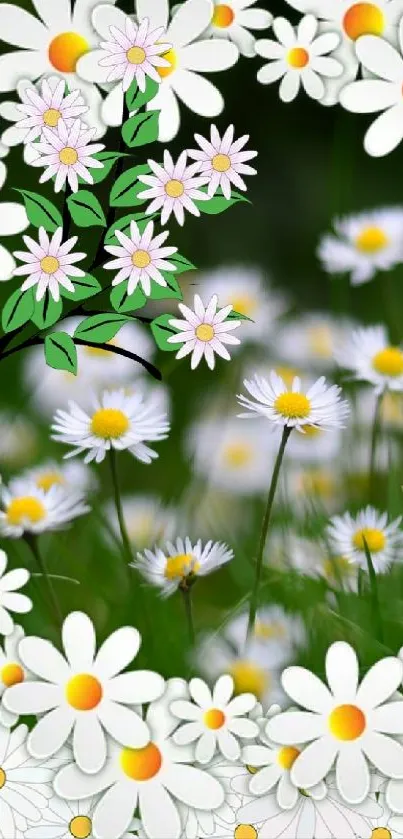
[[238, 454], [371, 240], [244, 304], [245, 831], [97, 351], [320, 341], [298, 57], [141, 259], [48, 480], [293, 405], [25, 508], [391, 410], [388, 362], [68, 156], [50, 264], [205, 332], [12, 674], [141, 764], [249, 678], [287, 756], [375, 539], [214, 718], [381, 833], [80, 827], [318, 482], [109, 423], [180, 566], [136, 55], [221, 162], [172, 57], [223, 16], [312, 431], [3, 778], [66, 49], [337, 566], [363, 19], [267, 631], [51, 117], [174, 188], [84, 692], [347, 722]]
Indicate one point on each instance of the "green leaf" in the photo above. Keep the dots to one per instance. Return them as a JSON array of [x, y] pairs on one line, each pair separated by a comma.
[[123, 224], [84, 287], [123, 302], [98, 329], [171, 290], [141, 129], [46, 311], [40, 211], [182, 264], [238, 316], [135, 99], [61, 352], [125, 190], [85, 209], [218, 204], [17, 310], [108, 158], [162, 330]]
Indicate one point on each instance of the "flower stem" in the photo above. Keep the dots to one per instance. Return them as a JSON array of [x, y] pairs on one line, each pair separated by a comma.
[[187, 600], [376, 427], [376, 609], [32, 542], [265, 527], [127, 550]]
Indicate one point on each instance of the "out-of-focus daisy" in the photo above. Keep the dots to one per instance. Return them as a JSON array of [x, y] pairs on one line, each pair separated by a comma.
[[299, 57], [371, 358], [380, 92], [147, 520], [204, 331], [222, 160], [180, 563], [18, 439], [12, 671], [364, 244], [27, 508], [13, 219], [117, 421], [49, 263], [277, 633], [214, 719], [158, 772], [173, 187], [345, 723], [42, 107], [71, 476], [140, 258], [233, 19], [11, 600], [321, 406], [84, 692], [67, 153], [25, 786], [315, 445], [309, 340], [308, 486], [348, 535]]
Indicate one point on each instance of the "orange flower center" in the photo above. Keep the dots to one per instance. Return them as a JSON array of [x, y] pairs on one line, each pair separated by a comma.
[[347, 722], [287, 756], [298, 57], [214, 718], [66, 49], [84, 692], [363, 19], [12, 674], [141, 764], [223, 16], [172, 58]]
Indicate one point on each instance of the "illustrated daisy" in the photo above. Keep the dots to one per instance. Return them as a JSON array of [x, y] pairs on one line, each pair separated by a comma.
[[214, 719], [364, 244], [65, 820], [11, 600], [388, 823], [222, 160], [383, 539], [13, 219], [140, 258], [25, 784], [299, 57], [12, 671], [371, 358], [222, 821], [27, 508], [49, 263], [66, 151], [321, 406], [179, 563], [147, 520], [173, 188], [84, 692], [140, 777], [204, 331], [42, 107], [117, 421], [343, 723], [272, 766], [72, 476], [233, 19]]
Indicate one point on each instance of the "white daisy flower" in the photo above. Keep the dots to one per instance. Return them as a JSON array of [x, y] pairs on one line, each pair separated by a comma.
[[179, 563], [12, 671], [65, 820], [140, 258], [25, 784], [131, 53], [222, 160], [13, 219], [277, 633], [222, 821], [84, 693], [147, 520], [204, 331], [315, 445], [49, 263], [364, 244], [307, 483], [347, 535], [11, 600], [321, 405], [42, 107], [71, 476], [346, 722], [272, 765], [309, 341], [371, 358], [233, 19], [214, 719], [67, 153], [299, 57], [18, 439], [387, 824], [117, 421], [152, 778], [173, 187], [27, 508], [49, 47]]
